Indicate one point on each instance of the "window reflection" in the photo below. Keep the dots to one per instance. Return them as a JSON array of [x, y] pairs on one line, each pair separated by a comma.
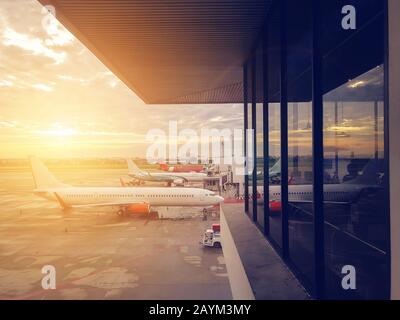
[[300, 163], [260, 136], [355, 212], [250, 142], [275, 217], [274, 136], [301, 227]]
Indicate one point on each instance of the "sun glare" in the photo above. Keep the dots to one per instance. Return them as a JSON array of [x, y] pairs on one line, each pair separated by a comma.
[[58, 132]]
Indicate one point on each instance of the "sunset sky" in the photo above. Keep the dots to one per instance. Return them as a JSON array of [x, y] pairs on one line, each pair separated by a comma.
[[58, 100]]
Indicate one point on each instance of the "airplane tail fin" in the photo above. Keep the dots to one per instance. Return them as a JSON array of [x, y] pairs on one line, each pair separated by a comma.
[[123, 184], [133, 168], [372, 173], [276, 168], [42, 176]]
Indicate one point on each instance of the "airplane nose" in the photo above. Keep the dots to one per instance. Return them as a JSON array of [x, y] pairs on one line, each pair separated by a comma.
[[220, 199]]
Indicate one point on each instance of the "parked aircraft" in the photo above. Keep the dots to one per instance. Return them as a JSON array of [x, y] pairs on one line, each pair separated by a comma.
[[368, 182], [127, 200], [167, 177]]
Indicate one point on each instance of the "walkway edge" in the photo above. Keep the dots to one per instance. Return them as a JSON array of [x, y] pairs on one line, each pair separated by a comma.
[[239, 283]]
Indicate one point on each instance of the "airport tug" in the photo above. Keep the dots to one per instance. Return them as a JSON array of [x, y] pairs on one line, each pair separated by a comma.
[[212, 237]]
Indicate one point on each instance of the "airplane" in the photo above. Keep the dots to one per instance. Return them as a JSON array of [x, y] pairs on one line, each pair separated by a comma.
[[275, 171], [127, 200], [169, 178], [344, 193]]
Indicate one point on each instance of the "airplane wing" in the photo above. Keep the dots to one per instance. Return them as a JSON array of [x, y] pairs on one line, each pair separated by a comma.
[[168, 177], [179, 177]]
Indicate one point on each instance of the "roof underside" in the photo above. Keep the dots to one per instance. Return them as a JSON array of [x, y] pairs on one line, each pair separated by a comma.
[[169, 52]]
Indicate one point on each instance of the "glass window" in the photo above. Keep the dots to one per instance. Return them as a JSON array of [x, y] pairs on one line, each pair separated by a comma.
[[300, 165], [356, 215], [250, 136], [259, 136], [274, 78], [246, 127]]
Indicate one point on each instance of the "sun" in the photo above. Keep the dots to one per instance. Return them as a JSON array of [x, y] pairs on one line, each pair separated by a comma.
[[58, 130]]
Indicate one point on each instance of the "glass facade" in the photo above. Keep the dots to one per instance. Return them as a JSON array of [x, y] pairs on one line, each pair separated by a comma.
[[273, 57], [355, 212], [259, 137], [250, 135], [354, 218], [300, 165]]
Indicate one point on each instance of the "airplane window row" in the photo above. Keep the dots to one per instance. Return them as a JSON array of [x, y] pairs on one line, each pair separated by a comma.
[[303, 193], [300, 193], [132, 195]]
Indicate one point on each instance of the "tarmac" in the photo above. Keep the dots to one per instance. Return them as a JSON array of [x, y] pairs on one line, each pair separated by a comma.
[[97, 254]]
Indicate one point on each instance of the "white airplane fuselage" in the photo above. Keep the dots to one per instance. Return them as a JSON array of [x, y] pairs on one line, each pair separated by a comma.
[[332, 192], [169, 177], [76, 196], [189, 176]]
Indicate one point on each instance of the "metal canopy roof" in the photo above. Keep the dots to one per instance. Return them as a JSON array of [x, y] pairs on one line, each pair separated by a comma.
[[178, 51]]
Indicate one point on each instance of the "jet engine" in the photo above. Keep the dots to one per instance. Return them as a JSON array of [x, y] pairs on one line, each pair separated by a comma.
[[138, 208]]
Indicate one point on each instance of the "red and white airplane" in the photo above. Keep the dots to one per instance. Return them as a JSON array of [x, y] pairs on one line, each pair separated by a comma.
[[182, 167], [126, 199]]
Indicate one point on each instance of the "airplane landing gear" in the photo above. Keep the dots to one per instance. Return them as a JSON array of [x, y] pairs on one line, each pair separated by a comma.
[[205, 213], [121, 213]]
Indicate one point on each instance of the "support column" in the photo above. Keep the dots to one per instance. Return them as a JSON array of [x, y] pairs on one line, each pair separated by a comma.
[[393, 120], [318, 154], [246, 124], [266, 133], [284, 137], [254, 127]]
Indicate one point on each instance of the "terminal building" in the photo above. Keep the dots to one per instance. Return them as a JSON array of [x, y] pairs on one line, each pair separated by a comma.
[[319, 83]]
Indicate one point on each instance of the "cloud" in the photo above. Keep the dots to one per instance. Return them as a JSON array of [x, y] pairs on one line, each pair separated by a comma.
[[65, 77], [42, 87], [58, 35], [6, 83], [108, 77], [101, 114], [8, 124], [225, 118], [36, 46], [114, 83]]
